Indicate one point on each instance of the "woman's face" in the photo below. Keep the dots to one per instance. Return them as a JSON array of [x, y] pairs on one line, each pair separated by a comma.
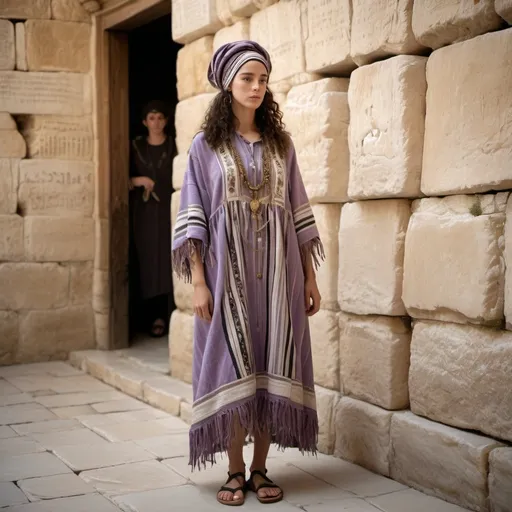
[[155, 122], [250, 84]]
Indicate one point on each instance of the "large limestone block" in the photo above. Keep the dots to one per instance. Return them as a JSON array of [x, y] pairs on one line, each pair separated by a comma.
[[224, 13], [9, 180], [437, 24], [326, 404], [468, 139], [24, 9], [387, 123], [246, 8], [11, 238], [189, 118], [45, 93], [80, 284], [374, 359], [33, 286], [439, 460], [371, 254], [59, 238], [500, 479], [179, 167], [192, 68], [380, 29], [183, 295], [325, 347], [12, 144], [7, 46], [362, 434], [462, 375], [504, 9], [239, 31], [279, 29], [21, 47], [317, 116], [7, 122], [46, 50], [59, 137], [69, 11], [101, 244], [327, 45], [47, 335], [181, 331], [192, 19], [508, 265], [56, 187], [9, 336], [453, 269]]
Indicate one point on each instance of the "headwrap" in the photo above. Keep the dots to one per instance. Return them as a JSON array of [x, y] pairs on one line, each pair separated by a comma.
[[155, 106], [230, 57]]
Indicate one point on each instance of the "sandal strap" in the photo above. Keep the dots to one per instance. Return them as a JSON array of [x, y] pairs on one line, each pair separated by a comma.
[[260, 473], [235, 475], [268, 484], [231, 489]]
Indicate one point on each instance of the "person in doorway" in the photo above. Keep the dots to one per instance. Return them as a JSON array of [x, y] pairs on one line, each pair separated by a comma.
[[246, 238], [151, 184]]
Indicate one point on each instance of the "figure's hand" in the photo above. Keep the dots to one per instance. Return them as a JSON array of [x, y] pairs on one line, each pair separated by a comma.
[[143, 181], [311, 296], [203, 302]]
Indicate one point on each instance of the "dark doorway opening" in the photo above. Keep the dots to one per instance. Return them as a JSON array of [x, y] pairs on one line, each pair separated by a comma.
[[152, 58]]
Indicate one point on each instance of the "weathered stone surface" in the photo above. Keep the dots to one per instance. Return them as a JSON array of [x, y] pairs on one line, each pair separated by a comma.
[[327, 46], [180, 345], [317, 116], [44, 93], [371, 254], [33, 286], [12, 144], [478, 361], [58, 137], [381, 29], [30, 465], [224, 13], [7, 48], [504, 9], [7, 122], [166, 393], [464, 285], [468, 140], [9, 179], [80, 286], [10, 495], [24, 9], [179, 167], [189, 117], [192, 68], [56, 187], [101, 247], [437, 24], [175, 206], [11, 238], [239, 31], [439, 460], [59, 239], [508, 264], [326, 404], [325, 347], [327, 217], [9, 336], [21, 47], [246, 8], [192, 19], [183, 294], [58, 486], [279, 29], [69, 11], [362, 434], [374, 359], [387, 106], [101, 291], [500, 476], [48, 335], [43, 37]]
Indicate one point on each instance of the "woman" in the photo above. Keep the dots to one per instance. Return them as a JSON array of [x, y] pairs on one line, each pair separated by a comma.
[[246, 236], [151, 182]]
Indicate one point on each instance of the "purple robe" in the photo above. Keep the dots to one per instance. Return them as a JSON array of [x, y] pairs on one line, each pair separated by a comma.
[[253, 360]]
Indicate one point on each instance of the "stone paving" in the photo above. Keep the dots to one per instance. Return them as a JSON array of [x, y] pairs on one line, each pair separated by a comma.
[[69, 442]]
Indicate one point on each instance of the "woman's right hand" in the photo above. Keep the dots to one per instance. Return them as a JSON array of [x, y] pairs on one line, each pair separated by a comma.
[[143, 181], [203, 302]]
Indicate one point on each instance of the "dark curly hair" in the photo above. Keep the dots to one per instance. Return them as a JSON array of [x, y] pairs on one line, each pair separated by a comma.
[[219, 122]]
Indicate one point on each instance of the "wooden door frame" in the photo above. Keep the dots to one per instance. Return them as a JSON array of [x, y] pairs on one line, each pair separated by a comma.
[[111, 109]]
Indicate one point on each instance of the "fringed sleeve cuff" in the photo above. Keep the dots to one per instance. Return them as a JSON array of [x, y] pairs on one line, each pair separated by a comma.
[[183, 257], [313, 248]]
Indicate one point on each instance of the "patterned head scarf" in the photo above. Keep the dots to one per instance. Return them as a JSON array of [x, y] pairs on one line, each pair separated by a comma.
[[230, 57]]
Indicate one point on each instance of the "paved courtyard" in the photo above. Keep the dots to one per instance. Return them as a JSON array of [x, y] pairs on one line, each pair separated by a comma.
[[69, 442]]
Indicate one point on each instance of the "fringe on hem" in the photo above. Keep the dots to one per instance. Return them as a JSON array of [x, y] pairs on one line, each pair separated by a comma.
[[182, 262], [315, 248], [290, 426]]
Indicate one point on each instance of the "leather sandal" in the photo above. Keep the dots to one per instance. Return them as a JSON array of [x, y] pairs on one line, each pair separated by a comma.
[[268, 484], [233, 490]]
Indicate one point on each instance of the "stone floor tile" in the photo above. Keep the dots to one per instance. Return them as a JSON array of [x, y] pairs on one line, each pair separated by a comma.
[[211, 476], [43, 392], [41, 427], [18, 398], [19, 446], [58, 486], [11, 495], [8, 389], [149, 353], [29, 383], [82, 458], [24, 413], [54, 368], [66, 400], [405, 501], [174, 424], [78, 436], [7, 432], [351, 505], [73, 411], [113, 418], [135, 477], [133, 430], [128, 404], [166, 447], [87, 503], [78, 384], [33, 465]]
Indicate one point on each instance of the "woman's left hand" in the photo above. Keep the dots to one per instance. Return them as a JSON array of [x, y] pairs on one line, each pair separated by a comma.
[[312, 296]]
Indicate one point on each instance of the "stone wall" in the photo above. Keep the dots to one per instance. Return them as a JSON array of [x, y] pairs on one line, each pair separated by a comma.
[[46, 180], [401, 116]]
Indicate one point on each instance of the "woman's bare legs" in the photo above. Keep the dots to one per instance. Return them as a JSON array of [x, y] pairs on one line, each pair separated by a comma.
[[259, 462], [236, 464]]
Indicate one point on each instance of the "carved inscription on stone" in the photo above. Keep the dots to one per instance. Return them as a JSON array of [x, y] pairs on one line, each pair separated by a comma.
[[7, 53], [56, 187], [8, 184], [43, 93]]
